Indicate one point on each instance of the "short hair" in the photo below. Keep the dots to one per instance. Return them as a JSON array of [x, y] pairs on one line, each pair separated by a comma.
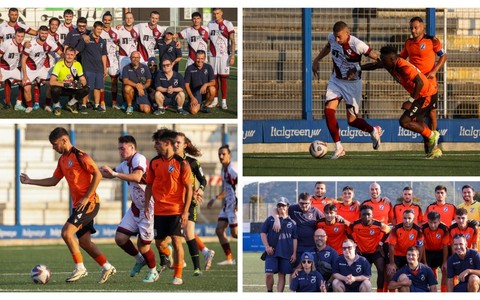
[[388, 50], [13, 9], [413, 248], [97, 24], [320, 182], [200, 52], [82, 20], [440, 187], [339, 26], [57, 133], [304, 196], [154, 12], [348, 187], [68, 11], [43, 28], [129, 13], [52, 20], [349, 240], [127, 139], [68, 48], [461, 212], [366, 206], [408, 211], [226, 146], [416, 19], [407, 188], [433, 216], [165, 134], [329, 208], [467, 186], [196, 14], [107, 14], [19, 30]]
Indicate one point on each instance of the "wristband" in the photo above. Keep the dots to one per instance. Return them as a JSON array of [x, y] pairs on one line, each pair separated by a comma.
[[114, 174], [411, 99]]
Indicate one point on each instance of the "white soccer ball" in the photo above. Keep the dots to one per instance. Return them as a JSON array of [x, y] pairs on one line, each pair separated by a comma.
[[41, 274], [318, 149]]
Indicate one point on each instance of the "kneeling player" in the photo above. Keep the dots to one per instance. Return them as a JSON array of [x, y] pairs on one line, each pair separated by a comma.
[[464, 263], [351, 272]]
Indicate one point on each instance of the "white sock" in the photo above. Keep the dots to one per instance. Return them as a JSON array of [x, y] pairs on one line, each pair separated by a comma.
[[338, 145], [57, 105], [80, 266], [205, 251], [107, 266], [72, 102]]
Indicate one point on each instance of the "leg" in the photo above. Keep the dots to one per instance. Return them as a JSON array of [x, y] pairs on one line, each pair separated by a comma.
[[473, 283], [380, 266], [366, 286], [338, 286], [128, 95], [269, 281], [403, 289], [189, 234], [178, 256], [222, 237], [281, 282], [332, 125]]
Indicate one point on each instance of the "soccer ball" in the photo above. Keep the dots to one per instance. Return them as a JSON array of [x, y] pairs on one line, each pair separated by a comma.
[[318, 149], [41, 274]]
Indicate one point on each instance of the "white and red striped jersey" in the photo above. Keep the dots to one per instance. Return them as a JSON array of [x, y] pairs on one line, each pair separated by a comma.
[[111, 38], [219, 37], [148, 38], [230, 179], [38, 52], [54, 38], [348, 55], [137, 190], [62, 32], [127, 41], [10, 54], [197, 39], [7, 32]]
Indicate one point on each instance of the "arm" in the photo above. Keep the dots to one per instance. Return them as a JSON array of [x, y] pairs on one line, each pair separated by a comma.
[[445, 258], [206, 85], [391, 267], [315, 65], [393, 285], [450, 285], [231, 36], [148, 195], [269, 249], [104, 62], [108, 172], [54, 82], [293, 258], [189, 93], [51, 181], [83, 80], [418, 87], [441, 61], [25, 78], [96, 177], [188, 201]]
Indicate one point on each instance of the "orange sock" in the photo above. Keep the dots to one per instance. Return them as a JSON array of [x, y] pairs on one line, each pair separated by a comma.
[[77, 257], [178, 270], [443, 288], [165, 251], [200, 244], [426, 132], [380, 290], [101, 259]]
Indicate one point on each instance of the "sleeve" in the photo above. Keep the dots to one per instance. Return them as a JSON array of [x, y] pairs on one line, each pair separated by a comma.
[[294, 284], [58, 171], [80, 45], [404, 53], [431, 279], [446, 237], [56, 68], [148, 74], [104, 48], [181, 81], [187, 176], [211, 75], [79, 68], [188, 75], [392, 238], [368, 267], [265, 227], [183, 34], [197, 171], [178, 52], [437, 46], [87, 162], [335, 268], [139, 162]]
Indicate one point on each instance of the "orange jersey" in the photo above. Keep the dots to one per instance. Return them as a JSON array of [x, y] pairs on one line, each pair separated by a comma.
[[381, 211], [398, 210], [368, 237], [77, 167], [321, 202], [404, 72], [349, 212], [422, 53], [402, 239], [168, 178], [336, 234], [435, 239], [446, 211], [470, 233]]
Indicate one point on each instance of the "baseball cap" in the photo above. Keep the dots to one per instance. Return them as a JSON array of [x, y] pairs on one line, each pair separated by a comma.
[[283, 201], [170, 30], [153, 60], [306, 256]]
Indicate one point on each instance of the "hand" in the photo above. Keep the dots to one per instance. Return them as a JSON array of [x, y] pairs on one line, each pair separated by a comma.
[[351, 73], [184, 219], [293, 258], [83, 202], [406, 105], [146, 209], [431, 75], [106, 171], [210, 203], [463, 276], [170, 90], [86, 38], [232, 60], [270, 250], [350, 279], [24, 179], [315, 69], [391, 269], [194, 101], [199, 196], [323, 288], [203, 89]]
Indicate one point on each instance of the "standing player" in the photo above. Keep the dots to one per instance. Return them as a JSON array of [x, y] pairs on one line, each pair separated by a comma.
[[167, 49], [446, 210], [111, 37], [133, 170], [319, 200], [334, 226], [407, 203], [66, 26], [10, 51], [7, 28], [200, 82], [351, 271], [345, 83], [469, 203], [381, 205], [222, 50], [464, 263], [128, 41], [83, 177], [349, 209], [463, 226], [148, 35], [170, 181], [197, 38], [228, 214], [421, 50]]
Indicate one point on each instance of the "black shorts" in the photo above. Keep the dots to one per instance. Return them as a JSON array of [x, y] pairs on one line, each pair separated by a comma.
[[164, 226], [372, 257], [400, 261], [421, 107], [84, 218], [192, 211], [434, 258]]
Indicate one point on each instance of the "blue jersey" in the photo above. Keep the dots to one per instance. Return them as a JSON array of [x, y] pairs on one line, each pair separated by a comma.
[[359, 267], [197, 77], [92, 53], [281, 241], [304, 282], [422, 278], [168, 50], [305, 225], [455, 265], [324, 261]]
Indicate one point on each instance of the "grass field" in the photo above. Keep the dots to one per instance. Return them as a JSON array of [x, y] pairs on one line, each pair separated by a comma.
[[397, 163], [217, 113], [17, 261]]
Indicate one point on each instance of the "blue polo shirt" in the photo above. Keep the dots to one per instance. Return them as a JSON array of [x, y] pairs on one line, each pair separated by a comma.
[[136, 75], [281, 241], [422, 278], [92, 53], [455, 265], [168, 51], [327, 256], [305, 226], [358, 268], [306, 282], [175, 81], [197, 77]]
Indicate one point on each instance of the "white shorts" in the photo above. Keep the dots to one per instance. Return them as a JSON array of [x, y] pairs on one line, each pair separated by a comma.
[[38, 75], [14, 74], [348, 90], [139, 224], [220, 65], [230, 214], [113, 69]]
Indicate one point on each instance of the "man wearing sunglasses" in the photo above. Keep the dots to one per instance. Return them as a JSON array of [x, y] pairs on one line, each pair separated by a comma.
[[170, 87], [351, 272], [464, 263]]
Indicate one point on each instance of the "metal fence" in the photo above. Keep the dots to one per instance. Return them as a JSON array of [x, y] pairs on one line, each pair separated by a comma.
[[272, 60]]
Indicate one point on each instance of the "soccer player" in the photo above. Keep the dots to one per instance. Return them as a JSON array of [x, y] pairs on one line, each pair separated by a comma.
[[66, 26], [421, 51], [228, 214], [421, 91], [83, 177], [133, 170], [335, 227], [351, 272], [10, 51], [319, 200], [446, 210], [67, 79], [414, 276], [111, 37], [170, 87], [464, 263], [128, 41], [345, 83], [325, 257], [148, 35], [36, 65], [407, 203], [200, 82], [167, 48], [222, 50], [349, 209], [464, 226], [281, 247], [93, 49], [370, 235], [197, 39], [381, 205], [308, 279], [436, 246], [136, 78], [183, 146], [7, 28], [469, 203], [170, 181]]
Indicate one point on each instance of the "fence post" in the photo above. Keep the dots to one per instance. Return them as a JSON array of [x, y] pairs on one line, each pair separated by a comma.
[[17, 172], [306, 63]]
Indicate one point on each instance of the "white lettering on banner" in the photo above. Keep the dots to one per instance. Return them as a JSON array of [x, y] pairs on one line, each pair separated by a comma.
[[55, 232], [8, 234], [248, 133], [33, 233], [353, 133], [407, 132], [287, 133], [108, 231], [209, 230], [471, 132]]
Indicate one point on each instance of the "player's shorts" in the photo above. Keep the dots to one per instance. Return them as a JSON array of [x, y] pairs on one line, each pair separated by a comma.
[[400, 261], [414, 289], [142, 99], [167, 226], [277, 265], [85, 221], [420, 108], [37, 75], [229, 215], [353, 288], [462, 287], [95, 80], [131, 225], [123, 60], [348, 90], [192, 211], [434, 258], [12, 75], [220, 65], [199, 96], [113, 68], [372, 257], [170, 99]]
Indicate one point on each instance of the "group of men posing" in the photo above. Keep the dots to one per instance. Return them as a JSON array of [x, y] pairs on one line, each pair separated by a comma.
[[73, 61], [331, 245]]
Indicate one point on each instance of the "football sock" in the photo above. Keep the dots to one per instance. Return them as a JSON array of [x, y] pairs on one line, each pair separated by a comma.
[[80, 266], [216, 86], [36, 94], [361, 124], [129, 247], [178, 270], [8, 91], [338, 145], [72, 102], [426, 132], [77, 258], [332, 124], [223, 82], [201, 245], [106, 266], [193, 249], [101, 259], [48, 102], [227, 250], [443, 288], [150, 258]]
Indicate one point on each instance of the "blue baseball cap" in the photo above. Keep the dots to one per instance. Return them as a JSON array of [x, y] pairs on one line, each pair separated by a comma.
[[307, 256]]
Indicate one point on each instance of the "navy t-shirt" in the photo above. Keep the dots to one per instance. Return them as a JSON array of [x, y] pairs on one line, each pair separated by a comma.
[[198, 77], [422, 278], [175, 81], [92, 53], [281, 241]]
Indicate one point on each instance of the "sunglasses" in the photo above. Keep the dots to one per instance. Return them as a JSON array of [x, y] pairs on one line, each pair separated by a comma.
[[166, 65], [347, 248], [306, 261]]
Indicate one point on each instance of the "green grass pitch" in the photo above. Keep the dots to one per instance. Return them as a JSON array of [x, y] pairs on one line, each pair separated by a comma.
[[17, 261]]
